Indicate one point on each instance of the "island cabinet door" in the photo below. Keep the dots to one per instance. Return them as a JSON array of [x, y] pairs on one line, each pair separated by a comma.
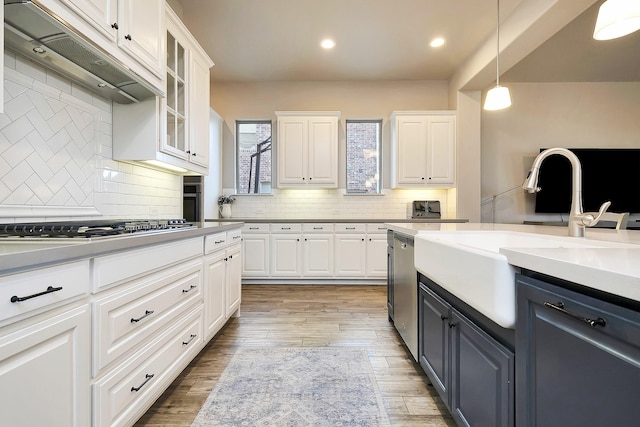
[[433, 342], [578, 359], [482, 377]]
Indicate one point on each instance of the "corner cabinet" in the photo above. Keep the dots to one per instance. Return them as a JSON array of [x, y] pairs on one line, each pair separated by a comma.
[[173, 130], [308, 149], [423, 152], [470, 370], [578, 357]]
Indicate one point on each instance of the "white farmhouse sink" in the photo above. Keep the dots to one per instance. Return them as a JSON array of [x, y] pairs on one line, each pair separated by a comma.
[[470, 266]]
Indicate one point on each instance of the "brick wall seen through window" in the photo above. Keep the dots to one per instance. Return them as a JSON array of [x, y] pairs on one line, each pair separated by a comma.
[[363, 156]]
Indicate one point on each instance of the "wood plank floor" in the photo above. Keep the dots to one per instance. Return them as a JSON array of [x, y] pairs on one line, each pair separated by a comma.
[[316, 316]]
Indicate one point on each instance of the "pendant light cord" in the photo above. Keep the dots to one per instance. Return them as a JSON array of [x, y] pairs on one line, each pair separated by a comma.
[[498, 47]]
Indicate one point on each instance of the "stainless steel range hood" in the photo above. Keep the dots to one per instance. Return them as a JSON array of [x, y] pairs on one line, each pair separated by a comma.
[[32, 31]]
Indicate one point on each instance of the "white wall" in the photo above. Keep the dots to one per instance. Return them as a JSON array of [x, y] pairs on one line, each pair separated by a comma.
[[55, 155], [549, 115], [372, 100]]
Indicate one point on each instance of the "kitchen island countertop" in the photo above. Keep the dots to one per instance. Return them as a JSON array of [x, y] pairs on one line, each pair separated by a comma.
[[612, 270]]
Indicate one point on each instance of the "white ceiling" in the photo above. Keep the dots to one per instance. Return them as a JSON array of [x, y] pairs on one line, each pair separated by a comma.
[[279, 40]]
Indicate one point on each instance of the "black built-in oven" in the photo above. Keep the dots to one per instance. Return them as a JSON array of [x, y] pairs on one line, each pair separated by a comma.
[[192, 198]]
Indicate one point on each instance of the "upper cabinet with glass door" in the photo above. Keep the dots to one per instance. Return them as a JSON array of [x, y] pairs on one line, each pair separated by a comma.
[[172, 132], [186, 107]]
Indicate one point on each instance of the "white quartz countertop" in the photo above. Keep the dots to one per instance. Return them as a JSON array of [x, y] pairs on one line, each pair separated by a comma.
[[23, 254], [612, 270]]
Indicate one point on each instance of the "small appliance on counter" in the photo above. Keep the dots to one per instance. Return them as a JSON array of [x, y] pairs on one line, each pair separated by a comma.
[[423, 209]]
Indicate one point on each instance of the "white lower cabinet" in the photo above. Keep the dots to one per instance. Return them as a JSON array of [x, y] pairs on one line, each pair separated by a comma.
[[286, 255], [376, 251], [351, 255], [44, 371], [255, 250], [317, 250], [223, 287], [124, 394], [307, 251]]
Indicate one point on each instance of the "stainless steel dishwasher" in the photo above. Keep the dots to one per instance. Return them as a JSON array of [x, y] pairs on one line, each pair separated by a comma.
[[405, 292]]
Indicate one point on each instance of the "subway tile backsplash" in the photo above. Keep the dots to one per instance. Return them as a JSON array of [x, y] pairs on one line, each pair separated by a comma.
[[334, 204], [55, 155]]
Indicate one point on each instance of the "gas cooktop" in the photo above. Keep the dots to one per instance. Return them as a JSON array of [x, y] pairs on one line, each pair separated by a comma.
[[91, 229]]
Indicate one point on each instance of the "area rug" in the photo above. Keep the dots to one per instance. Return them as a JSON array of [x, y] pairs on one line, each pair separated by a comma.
[[318, 386]]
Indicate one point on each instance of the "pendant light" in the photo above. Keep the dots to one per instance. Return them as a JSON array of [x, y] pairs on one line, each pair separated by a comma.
[[497, 98], [617, 18]]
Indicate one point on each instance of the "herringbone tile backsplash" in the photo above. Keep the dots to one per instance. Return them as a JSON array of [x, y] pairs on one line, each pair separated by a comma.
[[55, 151]]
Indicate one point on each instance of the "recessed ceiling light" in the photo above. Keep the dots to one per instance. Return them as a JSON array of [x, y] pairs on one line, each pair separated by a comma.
[[437, 42], [328, 44]]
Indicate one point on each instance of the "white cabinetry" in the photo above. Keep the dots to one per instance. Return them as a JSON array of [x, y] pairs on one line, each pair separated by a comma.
[[173, 130], [222, 275], [376, 251], [255, 250], [351, 250], [307, 149], [286, 250], [423, 148], [135, 26], [314, 251], [147, 325], [44, 372], [45, 347], [317, 250]]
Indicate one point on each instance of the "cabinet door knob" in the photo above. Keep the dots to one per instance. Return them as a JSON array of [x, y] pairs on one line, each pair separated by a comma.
[[422, 178], [443, 317], [193, 154], [310, 178], [114, 25], [128, 37], [188, 151], [452, 324]]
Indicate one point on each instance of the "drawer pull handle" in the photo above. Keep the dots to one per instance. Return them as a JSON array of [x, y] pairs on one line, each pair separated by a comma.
[[236, 237], [147, 379], [349, 228], [285, 228], [192, 287], [559, 306], [191, 338], [318, 228], [253, 228], [146, 313], [49, 290], [217, 242]]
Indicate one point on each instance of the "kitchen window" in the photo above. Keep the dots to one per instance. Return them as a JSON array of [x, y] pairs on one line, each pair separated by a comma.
[[253, 148], [363, 156]]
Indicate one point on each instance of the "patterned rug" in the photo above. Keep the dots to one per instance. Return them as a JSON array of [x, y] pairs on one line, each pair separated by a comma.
[[318, 386]]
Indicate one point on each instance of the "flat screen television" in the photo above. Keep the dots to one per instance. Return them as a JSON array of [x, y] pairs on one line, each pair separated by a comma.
[[608, 174]]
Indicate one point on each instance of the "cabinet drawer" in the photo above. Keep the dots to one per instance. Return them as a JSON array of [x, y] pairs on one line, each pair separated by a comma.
[[41, 288], [112, 270], [317, 228], [122, 396], [128, 318], [350, 228], [255, 228], [234, 236], [213, 242], [286, 228], [376, 228]]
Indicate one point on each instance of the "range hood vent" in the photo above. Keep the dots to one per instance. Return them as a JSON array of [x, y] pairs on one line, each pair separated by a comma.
[[40, 36]]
